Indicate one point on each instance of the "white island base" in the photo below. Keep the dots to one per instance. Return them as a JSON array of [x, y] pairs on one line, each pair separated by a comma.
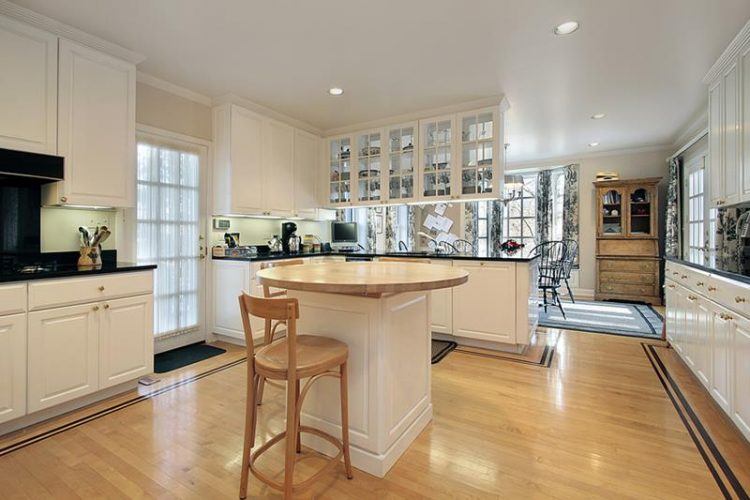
[[389, 373]]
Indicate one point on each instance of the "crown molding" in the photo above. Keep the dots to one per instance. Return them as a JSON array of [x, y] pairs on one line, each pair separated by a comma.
[[172, 88], [63, 30], [486, 102], [512, 167], [728, 55], [266, 111]]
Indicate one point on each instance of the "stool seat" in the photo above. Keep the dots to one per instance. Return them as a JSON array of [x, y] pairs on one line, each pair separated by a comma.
[[314, 355]]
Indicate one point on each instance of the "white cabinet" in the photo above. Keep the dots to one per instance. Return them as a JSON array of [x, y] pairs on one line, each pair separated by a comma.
[[28, 88], [741, 375], [715, 142], [96, 129], [484, 308], [442, 306], [338, 171], [730, 139], [278, 168], [437, 153], [63, 355], [400, 155], [368, 168], [721, 356], [744, 68], [12, 367], [305, 174], [231, 278], [126, 345], [701, 330]]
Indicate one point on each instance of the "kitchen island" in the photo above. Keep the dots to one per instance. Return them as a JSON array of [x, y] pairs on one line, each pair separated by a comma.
[[381, 310]]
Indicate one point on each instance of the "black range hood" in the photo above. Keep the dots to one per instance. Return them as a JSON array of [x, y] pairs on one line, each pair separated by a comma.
[[30, 168]]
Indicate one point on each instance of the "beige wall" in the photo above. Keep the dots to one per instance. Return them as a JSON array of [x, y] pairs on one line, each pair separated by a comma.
[[629, 166], [161, 109], [59, 227], [259, 231]]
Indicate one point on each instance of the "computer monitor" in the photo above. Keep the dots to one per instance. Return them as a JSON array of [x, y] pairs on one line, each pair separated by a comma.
[[343, 235]]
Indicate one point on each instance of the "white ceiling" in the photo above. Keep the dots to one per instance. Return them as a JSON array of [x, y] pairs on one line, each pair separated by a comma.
[[639, 61]]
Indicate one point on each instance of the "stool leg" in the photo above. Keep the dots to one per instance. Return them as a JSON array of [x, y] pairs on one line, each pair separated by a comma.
[[291, 442], [249, 437], [345, 418], [299, 410], [261, 386]]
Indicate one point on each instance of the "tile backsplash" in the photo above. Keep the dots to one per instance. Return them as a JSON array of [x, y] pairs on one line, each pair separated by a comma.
[[729, 251]]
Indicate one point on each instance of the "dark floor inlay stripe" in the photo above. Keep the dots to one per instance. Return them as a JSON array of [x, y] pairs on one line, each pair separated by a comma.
[[119, 406]]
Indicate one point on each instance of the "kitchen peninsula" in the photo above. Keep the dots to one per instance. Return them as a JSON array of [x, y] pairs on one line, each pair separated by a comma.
[[496, 309]]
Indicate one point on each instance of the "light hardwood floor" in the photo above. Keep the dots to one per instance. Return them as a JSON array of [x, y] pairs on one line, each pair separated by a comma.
[[597, 423]]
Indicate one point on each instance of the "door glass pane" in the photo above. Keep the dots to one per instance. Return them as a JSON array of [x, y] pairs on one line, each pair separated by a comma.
[[612, 212]]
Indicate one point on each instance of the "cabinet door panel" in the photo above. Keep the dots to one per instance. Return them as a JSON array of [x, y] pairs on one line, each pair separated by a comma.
[[701, 341], [741, 375], [442, 307], [278, 165], [715, 152], [305, 173], [126, 341], [731, 156], [28, 88], [484, 308], [96, 127], [246, 163], [230, 279], [63, 355], [12, 367], [745, 119], [721, 357]]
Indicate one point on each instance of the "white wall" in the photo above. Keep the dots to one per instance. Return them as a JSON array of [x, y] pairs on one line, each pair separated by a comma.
[[630, 165], [59, 227]]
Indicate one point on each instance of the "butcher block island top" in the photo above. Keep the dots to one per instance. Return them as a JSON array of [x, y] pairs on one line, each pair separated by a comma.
[[363, 278]]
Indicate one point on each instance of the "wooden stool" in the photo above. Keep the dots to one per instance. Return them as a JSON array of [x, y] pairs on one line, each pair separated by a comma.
[[270, 329], [292, 358]]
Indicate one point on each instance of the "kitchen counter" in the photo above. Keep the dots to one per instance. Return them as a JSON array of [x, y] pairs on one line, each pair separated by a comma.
[[66, 270], [732, 275], [520, 256]]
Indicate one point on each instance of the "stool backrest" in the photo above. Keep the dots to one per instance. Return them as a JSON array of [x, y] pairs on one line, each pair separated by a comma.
[[571, 253]]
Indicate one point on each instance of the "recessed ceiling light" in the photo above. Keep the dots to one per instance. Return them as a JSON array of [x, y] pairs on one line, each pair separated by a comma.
[[598, 116], [593, 144], [566, 28], [335, 91]]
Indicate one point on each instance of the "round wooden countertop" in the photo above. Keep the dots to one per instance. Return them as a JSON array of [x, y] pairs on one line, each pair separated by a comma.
[[362, 278]]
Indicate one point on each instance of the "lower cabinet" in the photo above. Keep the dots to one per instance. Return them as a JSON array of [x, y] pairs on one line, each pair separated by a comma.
[[12, 367], [126, 347], [442, 306], [721, 356], [476, 317], [741, 375], [230, 278], [63, 355]]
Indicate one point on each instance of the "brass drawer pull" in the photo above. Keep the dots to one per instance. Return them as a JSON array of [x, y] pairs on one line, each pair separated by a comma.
[[739, 299], [726, 317], [670, 286], [692, 298], [700, 283], [711, 288], [684, 277], [675, 273]]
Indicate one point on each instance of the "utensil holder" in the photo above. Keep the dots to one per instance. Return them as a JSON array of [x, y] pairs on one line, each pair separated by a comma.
[[90, 257]]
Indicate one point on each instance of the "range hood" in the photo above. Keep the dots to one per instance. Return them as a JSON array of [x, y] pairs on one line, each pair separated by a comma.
[[32, 168]]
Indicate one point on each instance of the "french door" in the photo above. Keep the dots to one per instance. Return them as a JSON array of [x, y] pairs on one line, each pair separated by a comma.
[[169, 227]]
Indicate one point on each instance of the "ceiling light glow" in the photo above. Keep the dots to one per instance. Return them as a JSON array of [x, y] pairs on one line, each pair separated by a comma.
[[335, 91], [593, 144], [566, 28], [598, 116]]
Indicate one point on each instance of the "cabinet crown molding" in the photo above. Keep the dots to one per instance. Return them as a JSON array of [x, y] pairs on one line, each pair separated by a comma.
[[63, 30], [729, 54], [266, 112]]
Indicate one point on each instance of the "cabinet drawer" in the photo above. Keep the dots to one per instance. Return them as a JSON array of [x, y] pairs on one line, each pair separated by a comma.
[[12, 299], [628, 266], [628, 248], [625, 289], [67, 291], [606, 277]]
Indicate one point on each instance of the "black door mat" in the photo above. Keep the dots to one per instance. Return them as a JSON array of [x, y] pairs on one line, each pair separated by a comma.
[[184, 356], [441, 348]]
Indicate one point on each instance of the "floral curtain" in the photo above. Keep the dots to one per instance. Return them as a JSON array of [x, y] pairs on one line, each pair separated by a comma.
[[411, 228], [543, 205], [470, 222], [371, 227], [391, 221], [672, 233], [570, 205], [495, 221]]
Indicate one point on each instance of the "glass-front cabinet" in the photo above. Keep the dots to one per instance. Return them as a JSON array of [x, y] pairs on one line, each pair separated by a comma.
[[369, 172], [401, 151], [436, 162], [478, 163], [641, 212], [339, 171], [612, 221]]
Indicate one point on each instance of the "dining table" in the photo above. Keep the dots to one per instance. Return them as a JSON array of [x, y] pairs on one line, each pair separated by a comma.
[[381, 310]]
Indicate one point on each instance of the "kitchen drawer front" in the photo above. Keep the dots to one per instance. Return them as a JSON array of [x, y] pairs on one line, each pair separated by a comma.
[[625, 289], [627, 278], [629, 266], [12, 298], [68, 291], [628, 248]]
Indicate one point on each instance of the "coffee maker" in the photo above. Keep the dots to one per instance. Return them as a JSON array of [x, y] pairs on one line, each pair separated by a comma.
[[288, 231]]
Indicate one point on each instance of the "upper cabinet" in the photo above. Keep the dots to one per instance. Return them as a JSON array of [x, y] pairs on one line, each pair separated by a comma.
[[729, 123], [96, 129], [442, 158], [28, 88]]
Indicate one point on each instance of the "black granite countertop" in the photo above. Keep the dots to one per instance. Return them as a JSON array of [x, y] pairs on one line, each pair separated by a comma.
[[712, 269], [67, 270], [519, 256]]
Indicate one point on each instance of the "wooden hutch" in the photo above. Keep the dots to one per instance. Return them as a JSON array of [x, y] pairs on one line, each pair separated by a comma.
[[627, 240]]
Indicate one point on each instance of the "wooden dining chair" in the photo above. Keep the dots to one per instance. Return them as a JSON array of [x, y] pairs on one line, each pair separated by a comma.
[[292, 358], [271, 327]]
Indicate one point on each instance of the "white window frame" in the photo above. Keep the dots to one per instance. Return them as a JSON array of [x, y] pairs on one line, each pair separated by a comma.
[[698, 219], [527, 222]]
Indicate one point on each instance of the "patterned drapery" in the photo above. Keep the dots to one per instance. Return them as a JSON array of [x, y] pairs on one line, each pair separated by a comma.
[[496, 225], [470, 222], [391, 221], [371, 226], [543, 205], [570, 205], [411, 232], [672, 233]]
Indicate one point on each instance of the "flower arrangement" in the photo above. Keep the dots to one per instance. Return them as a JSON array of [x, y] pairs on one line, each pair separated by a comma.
[[511, 246]]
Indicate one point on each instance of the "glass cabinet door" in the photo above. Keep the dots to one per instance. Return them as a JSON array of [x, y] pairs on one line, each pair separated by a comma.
[[641, 211], [477, 153], [612, 204], [368, 170], [401, 162], [339, 169], [436, 140]]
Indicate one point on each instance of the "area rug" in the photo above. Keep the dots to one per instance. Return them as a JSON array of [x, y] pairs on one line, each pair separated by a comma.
[[183, 356], [616, 318], [441, 348]]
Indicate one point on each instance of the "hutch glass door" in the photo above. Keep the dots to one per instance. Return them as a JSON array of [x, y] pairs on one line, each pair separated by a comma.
[[640, 212], [612, 205], [339, 165], [401, 143], [477, 159], [368, 172], [436, 158]]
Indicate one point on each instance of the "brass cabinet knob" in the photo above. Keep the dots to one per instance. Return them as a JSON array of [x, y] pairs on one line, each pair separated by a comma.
[[63, 199], [684, 277], [739, 299], [700, 283], [726, 317], [692, 298], [95, 308], [106, 306], [101, 288], [711, 288]]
